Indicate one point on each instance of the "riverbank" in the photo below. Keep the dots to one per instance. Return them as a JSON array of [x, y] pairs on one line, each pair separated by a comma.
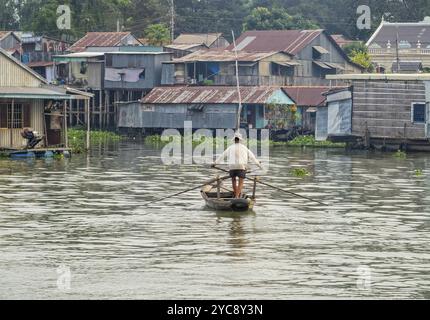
[[301, 141]]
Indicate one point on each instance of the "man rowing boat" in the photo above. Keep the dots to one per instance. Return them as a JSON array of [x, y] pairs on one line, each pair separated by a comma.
[[238, 156]]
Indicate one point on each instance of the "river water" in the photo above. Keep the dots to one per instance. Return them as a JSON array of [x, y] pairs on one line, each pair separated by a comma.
[[86, 214]]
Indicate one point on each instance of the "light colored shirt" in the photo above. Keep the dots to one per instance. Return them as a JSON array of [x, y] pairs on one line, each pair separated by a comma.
[[238, 157]]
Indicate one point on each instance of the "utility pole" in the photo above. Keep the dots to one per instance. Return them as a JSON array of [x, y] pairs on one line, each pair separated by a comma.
[[172, 19], [239, 109]]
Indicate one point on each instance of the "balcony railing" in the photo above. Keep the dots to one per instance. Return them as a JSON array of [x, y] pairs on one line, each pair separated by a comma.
[[37, 56], [230, 80], [401, 51]]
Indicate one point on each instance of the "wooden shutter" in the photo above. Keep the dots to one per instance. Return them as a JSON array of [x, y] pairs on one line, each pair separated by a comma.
[[3, 115], [26, 115]]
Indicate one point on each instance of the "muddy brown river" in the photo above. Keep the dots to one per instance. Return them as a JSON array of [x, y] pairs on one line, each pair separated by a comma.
[[86, 216]]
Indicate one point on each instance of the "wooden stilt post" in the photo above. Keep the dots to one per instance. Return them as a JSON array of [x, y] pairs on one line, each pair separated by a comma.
[[66, 138], [70, 111], [87, 104], [12, 122], [100, 108]]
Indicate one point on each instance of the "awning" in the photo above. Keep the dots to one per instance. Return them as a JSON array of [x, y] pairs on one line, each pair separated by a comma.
[[321, 50], [287, 63], [335, 65], [246, 64], [78, 56], [311, 110], [31, 93], [323, 65]]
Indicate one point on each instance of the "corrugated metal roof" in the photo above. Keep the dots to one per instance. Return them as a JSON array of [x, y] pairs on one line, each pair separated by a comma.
[[4, 34], [209, 94], [40, 64], [31, 93], [341, 40], [224, 56], [99, 39], [197, 38], [307, 96], [288, 41], [184, 46]]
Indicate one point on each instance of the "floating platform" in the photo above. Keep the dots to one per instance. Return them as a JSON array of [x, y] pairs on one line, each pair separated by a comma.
[[36, 153]]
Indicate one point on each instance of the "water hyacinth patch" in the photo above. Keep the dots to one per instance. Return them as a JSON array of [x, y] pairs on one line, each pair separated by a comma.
[[78, 137], [400, 154], [300, 172]]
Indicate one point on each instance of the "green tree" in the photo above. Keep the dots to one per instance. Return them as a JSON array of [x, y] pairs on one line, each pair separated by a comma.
[[363, 59], [262, 18], [157, 34], [8, 17], [356, 46], [203, 16]]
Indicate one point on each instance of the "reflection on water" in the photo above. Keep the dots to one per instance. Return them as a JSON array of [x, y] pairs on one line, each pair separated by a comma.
[[87, 213]]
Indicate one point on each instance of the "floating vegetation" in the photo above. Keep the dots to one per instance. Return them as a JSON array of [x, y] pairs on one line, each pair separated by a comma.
[[309, 141], [59, 156], [300, 172], [400, 154], [78, 138], [157, 140], [418, 173]]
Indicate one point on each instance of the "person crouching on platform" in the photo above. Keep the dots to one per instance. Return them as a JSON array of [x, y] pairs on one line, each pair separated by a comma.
[[238, 156], [33, 138]]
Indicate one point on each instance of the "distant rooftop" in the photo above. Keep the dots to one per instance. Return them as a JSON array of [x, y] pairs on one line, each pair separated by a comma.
[[224, 56], [288, 41], [197, 38], [310, 96], [409, 34], [210, 94], [99, 39]]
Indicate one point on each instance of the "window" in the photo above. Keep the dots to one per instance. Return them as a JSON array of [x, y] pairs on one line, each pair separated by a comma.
[[17, 118], [11, 118], [84, 67], [419, 112], [280, 70], [108, 60]]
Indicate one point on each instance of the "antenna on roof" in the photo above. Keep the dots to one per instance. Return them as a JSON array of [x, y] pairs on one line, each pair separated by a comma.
[[172, 19], [239, 110]]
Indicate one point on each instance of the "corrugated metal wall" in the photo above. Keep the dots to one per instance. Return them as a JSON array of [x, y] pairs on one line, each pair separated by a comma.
[[168, 74], [11, 75], [136, 115], [321, 131], [385, 107], [95, 75]]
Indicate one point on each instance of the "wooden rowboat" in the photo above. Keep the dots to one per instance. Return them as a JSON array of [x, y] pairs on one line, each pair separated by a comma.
[[220, 198]]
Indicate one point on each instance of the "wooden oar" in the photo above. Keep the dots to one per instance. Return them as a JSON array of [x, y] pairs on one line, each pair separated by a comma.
[[182, 192], [279, 189]]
